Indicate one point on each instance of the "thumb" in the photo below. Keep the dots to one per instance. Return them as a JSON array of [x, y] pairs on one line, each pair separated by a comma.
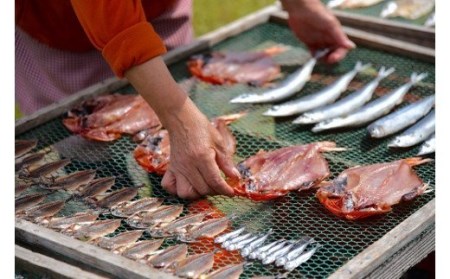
[[227, 166]]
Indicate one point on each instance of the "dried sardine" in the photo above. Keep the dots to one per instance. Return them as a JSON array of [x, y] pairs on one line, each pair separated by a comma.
[[24, 146], [142, 248], [429, 146], [264, 254], [27, 201], [255, 244], [293, 264], [296, 251], [128, 208], [195, 265], [416, 133], [168, 256]]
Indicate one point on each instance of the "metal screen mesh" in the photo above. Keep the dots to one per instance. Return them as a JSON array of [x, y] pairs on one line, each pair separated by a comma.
[[292, 216]]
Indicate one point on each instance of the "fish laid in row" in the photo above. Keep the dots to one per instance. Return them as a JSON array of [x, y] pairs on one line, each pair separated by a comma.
[[127, 208], [286, 88], [162, 214], [71, 181], [372, 110], [325, 96], [113, 198], [416, 133], [89, 231], [120, 242], [428, 147], [28, 160], [42, 171], [22, 147], [142, 249]]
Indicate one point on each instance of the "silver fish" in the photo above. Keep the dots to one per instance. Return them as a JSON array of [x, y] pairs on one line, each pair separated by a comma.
[[345, 105], [128, 208], [176, 226], [291, 265], [72, 181], [209, 229], [255, 254], [96, 187], [372, 110], [142, 248], [401, 118], [241, 244], [287, 87], [277, 254], [65, 222], [121, 240], [226, 236], [28, 160], [169, 256], [231, 241], [255, 244], [273, 249], [416, 133], [93, 230], [195, 265], [410, 9], [325, 96], [296, 251], [46, 169], [27, 201], [232, 271], [115, 197], [429, 146], [144, 219], [24, 146]]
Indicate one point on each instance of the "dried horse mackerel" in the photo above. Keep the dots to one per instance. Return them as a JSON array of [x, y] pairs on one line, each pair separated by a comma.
[[127, 208], [24, 146], [28, 160], [71, 181], [177, 226], [43, 170], [113, 198], [92, 230], [144, 219], [40, 212], [232, 271], [96, 187], [168, 256], [61, 223], [142, 248], [206, 229], [195, 265], [28, 201], [119, 242]]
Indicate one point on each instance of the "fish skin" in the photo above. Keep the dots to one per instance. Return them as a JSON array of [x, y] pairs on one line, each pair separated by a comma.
[[28, 160], [115, 197], [28, 201], [296, 251], [255, 244], [401, 118], [168, 256], [22, 147], [285, 88], [65, 222], [372, 110], [176, 225], [142, 248], [208, 229], [232, 271], [273, 249], [345, 105], [72, 181], [409, 9], [93, 230], [222, 238], [44, 210], [195, 265], [416, 133], [323, 97], [291, 265], [96, 187], [46, 169], [144, 219], [429, 146], [121, 240], [127, 208]]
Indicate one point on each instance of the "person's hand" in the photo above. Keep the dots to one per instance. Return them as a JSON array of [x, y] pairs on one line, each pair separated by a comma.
[[317, 28]]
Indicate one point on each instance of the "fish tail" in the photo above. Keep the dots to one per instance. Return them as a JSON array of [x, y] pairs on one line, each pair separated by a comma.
[[415, 78], [415, 161], [382, 73], [359, 67]]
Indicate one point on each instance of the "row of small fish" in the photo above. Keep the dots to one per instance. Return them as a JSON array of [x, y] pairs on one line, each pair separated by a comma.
[[283, 253]]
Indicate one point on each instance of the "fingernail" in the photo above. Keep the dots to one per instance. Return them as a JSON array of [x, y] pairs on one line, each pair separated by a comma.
[[351, 44], [236, 172]]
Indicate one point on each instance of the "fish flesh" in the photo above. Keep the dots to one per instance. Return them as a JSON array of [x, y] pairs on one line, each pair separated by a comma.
[[429, 146], [178, 225], [72, 181], [142, 248], [61, 223], [115, 197], [28, 160], [206, 229], [257, 252], [44, 210], [255, 244], [248, 67], [323, 97], [106, 118], [278, 254], [88, 231], [46, 169], [168, 256], [286, 88], [409, 9], [268, 175], [96, 187], [22, 147], [194, 265], [127, 208], [291, 265], [351, 4], [372, 110], [416, 133], [363, 191], [345, 105], [224, 237], [153, 153], [401, 118], [121, 240], [430, 22], [162, 214], [28, 201], [296, 251], [232, 271]]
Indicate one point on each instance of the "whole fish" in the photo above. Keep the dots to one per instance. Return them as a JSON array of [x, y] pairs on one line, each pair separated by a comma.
[[177, 225], [168, 256], [255, 254], [296, 251], [372, 110], [325, 96], [121, 240], [24, 146], [237, 239], [93, 230], [195, 265], [127, 208], [226, 236], [401, 118], [96, 187], [430, 22], [142, 248], [20, 188], [72, 181], [410, 9], [287, 87], [241, 244], [115, 197], [27, 201], [28, 160], [345, 105], [273, 249], [291, 265], [255, 244], [144, 219], [44, 210], [416, 133], [351, 4], [208, 229], [277, 254], [65, 222], [429, 146], [232, 271], [46, 169]]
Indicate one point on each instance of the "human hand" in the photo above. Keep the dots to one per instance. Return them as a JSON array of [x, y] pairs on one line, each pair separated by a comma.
[[317, 28]]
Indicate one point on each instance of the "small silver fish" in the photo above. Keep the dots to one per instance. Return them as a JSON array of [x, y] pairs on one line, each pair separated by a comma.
[[273, 249], [119, 241], [232, 271], [127, 208], [115, 197], [237, 239], [323, 97], [22, 147], [142, 248], [46, 169], [296, 251], [209, 229], [416, 133], [345, 105], [195, 265], [92, 230], [291, 265], [176, 226], [429, 146], [401, 118], [277, 254], [372, 110], [241, 244], [168, 256], [60, 223], [255, 254], [72, 181], [96, 187], [255, 244], [144, 219], [28, 201], [44, 210], [287, 87], [224, 237], [28, 160]]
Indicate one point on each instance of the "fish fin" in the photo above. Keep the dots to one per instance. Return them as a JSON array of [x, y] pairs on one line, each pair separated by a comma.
[[382, 73], [415, 78], [415, 161], [359, 67]]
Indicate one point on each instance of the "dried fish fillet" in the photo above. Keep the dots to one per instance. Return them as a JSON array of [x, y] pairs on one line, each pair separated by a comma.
[[72, 181], [128, 208], [96, 187], [144, 219], [115, 197], [24, 146], [352, 4], [65, 222], [28, 160], [195, 265], [168, 256], [142, 248], [92, 230], [232, 271], [121, 240], [27, 201], [178, 225], [44, 210], [207, 229], [46, 169]]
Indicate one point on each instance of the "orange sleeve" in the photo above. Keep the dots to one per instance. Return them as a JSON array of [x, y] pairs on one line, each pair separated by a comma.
[[119, 29]]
